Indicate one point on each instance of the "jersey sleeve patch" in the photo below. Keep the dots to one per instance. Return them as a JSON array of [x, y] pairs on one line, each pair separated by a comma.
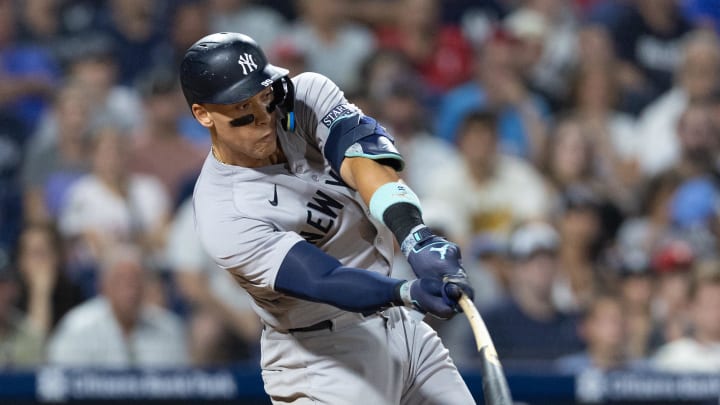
[[339, 111]]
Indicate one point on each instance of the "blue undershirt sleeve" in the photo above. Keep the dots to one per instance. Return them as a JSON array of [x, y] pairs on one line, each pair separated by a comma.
[[311, 274]]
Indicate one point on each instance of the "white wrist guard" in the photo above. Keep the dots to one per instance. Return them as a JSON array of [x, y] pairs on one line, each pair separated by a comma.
[[389, 194], [405, 294]]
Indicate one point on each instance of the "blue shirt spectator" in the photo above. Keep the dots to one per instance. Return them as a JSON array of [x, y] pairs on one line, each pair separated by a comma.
[[470, 97], [27, 73], [702, 13], [527, 328], [520, 338], [30, 72]]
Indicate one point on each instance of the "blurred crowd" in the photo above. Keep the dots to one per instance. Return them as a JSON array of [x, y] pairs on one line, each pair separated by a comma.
[[571, 147]]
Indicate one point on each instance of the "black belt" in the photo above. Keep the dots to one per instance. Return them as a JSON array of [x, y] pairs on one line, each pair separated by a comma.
[[322, 325], [326, 324]]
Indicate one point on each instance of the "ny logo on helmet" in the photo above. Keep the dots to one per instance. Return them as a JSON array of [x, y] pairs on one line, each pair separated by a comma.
[[248, 64]]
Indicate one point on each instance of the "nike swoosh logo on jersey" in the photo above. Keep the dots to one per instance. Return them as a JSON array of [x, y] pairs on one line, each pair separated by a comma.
[[274, 201]]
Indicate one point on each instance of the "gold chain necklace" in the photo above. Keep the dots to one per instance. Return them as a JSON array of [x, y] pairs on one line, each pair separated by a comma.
[[212, 149]]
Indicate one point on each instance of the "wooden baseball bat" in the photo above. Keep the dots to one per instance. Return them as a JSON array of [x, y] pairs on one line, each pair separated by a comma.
[[495, 387]]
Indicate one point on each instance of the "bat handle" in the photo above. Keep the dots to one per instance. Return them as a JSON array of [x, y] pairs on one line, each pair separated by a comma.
[[482, 336], [495, 387]]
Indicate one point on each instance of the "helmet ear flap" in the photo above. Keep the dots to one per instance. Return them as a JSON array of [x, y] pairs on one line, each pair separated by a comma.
[[284, 97], [289, 105]]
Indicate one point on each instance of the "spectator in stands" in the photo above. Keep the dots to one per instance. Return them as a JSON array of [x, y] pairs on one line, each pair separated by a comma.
[[527, 326], [112, 205], [260, 22], [570, 165], [714, 102], [94, 66], [439, 52], [697, 140], [635, 285], [702, 13], [569, 160], [603, 329], [673, 264], [292, 57], [333, 46], [40, 22], [498, 86], [138, 35], [699, 352], [13, 135], [579, 223], [56, 159], [547, 31], [593, 99], [490, 191], [643, 233], [648, 37], [189, 21], [21, 344], [27, 73], [470, 11], [57, 24], [159, 150], [117, 329], [46, 291], [223, 326], [695, 215], [402, 113], [696, 79], [605, 12], [384, 69], [595, 49]]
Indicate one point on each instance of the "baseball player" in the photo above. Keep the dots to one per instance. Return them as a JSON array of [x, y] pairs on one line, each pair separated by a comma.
[[299, 199]]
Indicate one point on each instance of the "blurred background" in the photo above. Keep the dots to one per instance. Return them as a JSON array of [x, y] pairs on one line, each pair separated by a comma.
[[571, 147]]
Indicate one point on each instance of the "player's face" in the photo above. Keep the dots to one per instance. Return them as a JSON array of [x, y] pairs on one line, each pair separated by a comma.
[[244, 133]]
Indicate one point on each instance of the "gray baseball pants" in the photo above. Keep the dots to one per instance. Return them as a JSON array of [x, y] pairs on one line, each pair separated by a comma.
[[391, 358]]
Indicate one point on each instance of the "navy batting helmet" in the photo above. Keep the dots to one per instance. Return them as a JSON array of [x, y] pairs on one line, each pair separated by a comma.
[[228, 67]]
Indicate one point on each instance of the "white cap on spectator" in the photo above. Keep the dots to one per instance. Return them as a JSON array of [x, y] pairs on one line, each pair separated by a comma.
[[527, 24], [532, 238]]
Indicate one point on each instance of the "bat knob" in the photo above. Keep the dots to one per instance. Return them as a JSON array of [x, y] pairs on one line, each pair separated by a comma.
[[453, 291]]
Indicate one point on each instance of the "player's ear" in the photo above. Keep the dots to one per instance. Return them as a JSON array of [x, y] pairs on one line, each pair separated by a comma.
[[202, 115]]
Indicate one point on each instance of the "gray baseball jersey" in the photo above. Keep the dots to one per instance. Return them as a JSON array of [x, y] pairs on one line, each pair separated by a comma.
[[248, 219]]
